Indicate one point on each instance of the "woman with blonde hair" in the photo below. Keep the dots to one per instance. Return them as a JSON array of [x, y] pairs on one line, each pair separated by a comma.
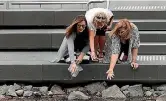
[[122, 45], [99, 20], [76, 40]]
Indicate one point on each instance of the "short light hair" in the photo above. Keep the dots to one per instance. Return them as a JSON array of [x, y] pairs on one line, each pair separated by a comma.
[[102, 15]]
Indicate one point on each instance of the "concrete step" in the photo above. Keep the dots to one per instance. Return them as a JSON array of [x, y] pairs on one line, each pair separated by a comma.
[[145, 15], [35, 66], [52, 38], [152, 36], [150, 24], [146, 20], [152, 48]]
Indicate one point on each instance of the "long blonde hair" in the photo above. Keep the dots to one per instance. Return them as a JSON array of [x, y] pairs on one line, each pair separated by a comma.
[[72, 28], [122, 29]]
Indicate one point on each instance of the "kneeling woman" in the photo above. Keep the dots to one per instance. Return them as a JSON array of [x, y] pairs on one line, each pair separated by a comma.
[[122, 45], [76, 39]]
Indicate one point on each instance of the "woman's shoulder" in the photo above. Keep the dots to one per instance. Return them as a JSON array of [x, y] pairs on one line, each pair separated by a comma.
[[111, 36], [135, 30], [108, 34], [134, 27]]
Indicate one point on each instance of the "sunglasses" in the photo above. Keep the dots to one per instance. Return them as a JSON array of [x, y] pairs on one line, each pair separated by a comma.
[[83, 26], [98, 17]]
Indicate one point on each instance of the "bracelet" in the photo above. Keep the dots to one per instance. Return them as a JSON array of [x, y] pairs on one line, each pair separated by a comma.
[[133, 62], [72, 62]]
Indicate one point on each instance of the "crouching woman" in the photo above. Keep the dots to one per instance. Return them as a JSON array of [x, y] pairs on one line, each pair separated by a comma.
[[122, 45], [76, 40]]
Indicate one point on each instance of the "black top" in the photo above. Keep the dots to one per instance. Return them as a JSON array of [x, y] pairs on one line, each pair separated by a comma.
[[124, 47], [81, 40]]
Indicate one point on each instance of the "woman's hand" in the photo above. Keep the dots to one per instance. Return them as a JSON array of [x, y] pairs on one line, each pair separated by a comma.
[[80, 58], [134, 65], [73, 67], [108, 28], [93, 55], [110, 74]]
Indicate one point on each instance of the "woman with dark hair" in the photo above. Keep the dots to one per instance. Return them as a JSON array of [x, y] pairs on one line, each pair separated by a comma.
[[122, 45], [76, 40]]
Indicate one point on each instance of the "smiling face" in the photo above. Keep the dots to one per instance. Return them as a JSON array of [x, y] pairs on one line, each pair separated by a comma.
[[81, 26], [100, 20]]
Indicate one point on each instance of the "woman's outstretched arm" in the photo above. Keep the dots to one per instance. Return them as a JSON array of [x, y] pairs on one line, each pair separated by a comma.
[[91, 43]]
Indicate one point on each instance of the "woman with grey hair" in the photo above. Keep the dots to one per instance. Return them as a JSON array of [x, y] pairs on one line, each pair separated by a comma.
[[98, 20]]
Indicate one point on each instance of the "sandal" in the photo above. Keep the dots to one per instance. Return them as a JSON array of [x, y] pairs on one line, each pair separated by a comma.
[[101, 55], [95, 60]]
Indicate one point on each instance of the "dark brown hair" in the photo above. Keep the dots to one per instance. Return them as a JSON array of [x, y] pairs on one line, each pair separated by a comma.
[[72, 28]]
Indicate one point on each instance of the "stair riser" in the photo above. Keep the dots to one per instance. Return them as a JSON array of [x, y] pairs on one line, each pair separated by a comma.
[[53, 41], [64, 18]]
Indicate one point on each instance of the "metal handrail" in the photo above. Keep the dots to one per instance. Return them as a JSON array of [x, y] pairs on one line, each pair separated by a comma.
[[35, 2], [94, 1], [54, 2], [108, 3]]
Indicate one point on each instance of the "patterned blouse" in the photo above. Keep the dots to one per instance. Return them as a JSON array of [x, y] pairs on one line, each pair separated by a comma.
[[112, 45]]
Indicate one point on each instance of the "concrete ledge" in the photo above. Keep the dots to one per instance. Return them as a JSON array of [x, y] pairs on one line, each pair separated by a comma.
[[19, 72], [91, 72], [35, 66]]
